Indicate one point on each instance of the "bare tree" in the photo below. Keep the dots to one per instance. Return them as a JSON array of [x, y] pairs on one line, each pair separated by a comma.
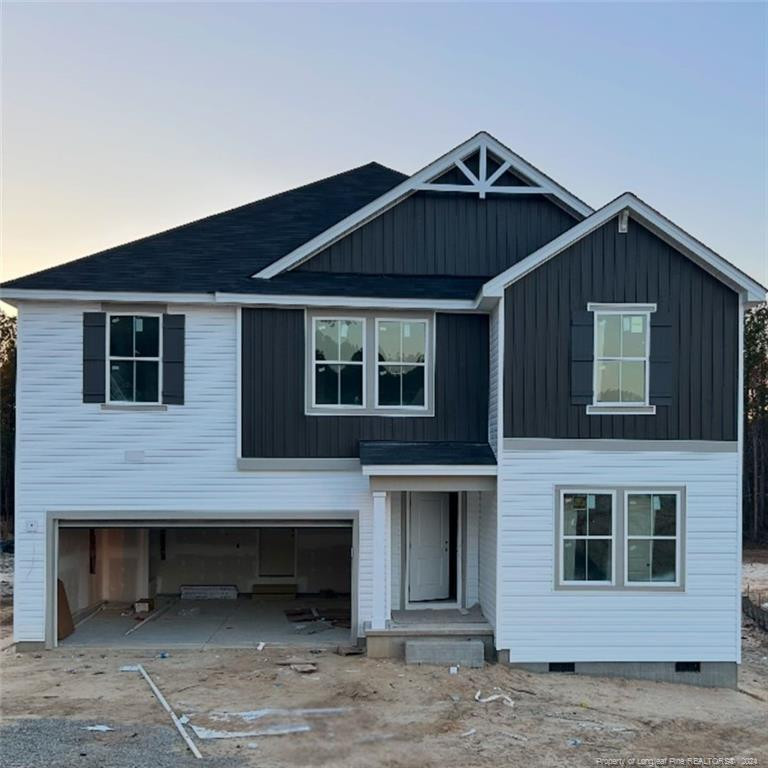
[[7, 420]]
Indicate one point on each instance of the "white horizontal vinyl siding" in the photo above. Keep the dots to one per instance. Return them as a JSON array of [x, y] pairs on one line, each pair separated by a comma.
[[72, 456], [541, 624], [487, 548]]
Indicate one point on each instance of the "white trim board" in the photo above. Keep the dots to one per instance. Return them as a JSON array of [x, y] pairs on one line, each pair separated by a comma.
[[658, 224], [12, 295], [427, 470], [481, 141]]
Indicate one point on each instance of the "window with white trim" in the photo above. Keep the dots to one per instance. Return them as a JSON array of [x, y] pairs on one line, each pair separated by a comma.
[[338, 375], [134, 370], [652, 526], [622, 349], [587, 537], [401, 363]]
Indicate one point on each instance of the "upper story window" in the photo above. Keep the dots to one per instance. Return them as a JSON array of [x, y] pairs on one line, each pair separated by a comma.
[[401, 367], [339, 360], [621, 341], [133, 343], [369, 364]]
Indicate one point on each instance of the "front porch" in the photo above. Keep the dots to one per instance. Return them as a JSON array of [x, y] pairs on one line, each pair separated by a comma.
[[434, 551], [432, 624]]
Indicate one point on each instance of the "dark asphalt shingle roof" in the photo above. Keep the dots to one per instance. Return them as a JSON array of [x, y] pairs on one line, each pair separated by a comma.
[[396, 452], [385, 286], [221, 252]]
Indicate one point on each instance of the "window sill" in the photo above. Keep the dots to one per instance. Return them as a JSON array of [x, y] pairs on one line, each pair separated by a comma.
[[621, 410], [134, 407], [383, 412]]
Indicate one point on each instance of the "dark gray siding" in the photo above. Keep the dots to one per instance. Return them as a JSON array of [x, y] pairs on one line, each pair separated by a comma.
[[274, 422], [446, 234], [609, 267]]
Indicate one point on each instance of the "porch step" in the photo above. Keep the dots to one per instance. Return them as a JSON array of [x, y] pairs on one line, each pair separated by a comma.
[[466, 653]]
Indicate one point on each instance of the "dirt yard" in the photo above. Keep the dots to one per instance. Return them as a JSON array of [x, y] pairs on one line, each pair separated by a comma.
[[382, 713]]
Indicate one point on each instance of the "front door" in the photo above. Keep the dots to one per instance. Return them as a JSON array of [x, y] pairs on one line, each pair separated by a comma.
[[429, 558]]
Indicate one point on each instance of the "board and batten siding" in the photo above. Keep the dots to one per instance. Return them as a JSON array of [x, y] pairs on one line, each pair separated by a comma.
[[541, 624], [275, 424], [446, 234], [610, 267], [72, 455]]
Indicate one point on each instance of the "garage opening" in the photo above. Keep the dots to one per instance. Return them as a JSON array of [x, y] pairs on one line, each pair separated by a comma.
[[204, 586]]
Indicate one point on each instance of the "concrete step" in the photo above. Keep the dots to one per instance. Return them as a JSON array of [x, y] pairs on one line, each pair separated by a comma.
[[442, 652]]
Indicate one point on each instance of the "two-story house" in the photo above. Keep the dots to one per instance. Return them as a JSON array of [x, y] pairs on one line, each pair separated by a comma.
[[463, 399]]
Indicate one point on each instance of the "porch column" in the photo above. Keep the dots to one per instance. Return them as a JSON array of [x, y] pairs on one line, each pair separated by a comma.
[[381, 559]]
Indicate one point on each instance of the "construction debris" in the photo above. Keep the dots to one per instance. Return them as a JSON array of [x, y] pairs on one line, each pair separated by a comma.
[[350, 650], [99, 728], [274, 730], [159, 696], [304, 669], [208, 592], [494, 697]]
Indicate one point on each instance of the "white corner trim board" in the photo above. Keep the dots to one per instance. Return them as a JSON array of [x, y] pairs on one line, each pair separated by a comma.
[[482, 141], [649, 217]]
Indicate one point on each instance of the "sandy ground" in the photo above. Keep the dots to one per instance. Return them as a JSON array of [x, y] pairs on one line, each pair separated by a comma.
[[395, 716]]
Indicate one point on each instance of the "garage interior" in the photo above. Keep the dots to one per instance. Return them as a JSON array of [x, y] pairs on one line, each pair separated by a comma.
[[204, 586]]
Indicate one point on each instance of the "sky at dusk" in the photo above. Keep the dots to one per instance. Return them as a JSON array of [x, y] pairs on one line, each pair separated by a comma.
[[120, 120]]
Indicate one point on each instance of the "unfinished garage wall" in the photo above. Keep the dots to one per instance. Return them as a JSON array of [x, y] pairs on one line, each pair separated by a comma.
[[124, 557], [83, 588], [324, 559], [316, 559]]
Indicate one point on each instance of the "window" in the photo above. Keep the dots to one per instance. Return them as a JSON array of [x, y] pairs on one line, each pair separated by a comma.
[[652, 538], [401, 348], [369, 364], [622, 342], [339, 360], [621, 537], [587, 538], [134, 358]]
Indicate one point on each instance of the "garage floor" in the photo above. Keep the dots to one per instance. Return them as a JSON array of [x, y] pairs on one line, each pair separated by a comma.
[[201, 624]]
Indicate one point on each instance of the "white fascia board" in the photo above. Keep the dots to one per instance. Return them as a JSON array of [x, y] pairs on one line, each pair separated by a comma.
[[429, 470], [663, 227], [12, 295], [410, 185], [16, 295], [362, 302]]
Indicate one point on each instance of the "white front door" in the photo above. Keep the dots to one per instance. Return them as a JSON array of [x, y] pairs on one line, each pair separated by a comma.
[[429, 557]]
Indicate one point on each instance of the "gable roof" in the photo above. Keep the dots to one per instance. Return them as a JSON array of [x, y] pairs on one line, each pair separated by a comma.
[[219, 252], [430, 178], [660, 225]]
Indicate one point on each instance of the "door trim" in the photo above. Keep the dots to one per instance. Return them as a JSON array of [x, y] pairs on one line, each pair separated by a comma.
[[405, 545]]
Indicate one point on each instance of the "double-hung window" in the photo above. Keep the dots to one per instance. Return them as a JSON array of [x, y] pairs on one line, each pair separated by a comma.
[[401, 367], [587, 537], [622, 342], [133, 343], [620, 537], [338, 376], [369, 364], [652, 537]]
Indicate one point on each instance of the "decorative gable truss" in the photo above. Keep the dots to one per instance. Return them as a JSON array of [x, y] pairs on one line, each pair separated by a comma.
[[481, 165], [482, 171]]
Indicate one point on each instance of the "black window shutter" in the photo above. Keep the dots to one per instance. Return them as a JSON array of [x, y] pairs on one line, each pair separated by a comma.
[[661, 384], [94, 357], [582, 357], [173, 359]]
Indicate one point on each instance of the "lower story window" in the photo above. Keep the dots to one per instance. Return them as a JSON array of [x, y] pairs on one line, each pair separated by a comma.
[[587, 525], [652, 531]]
